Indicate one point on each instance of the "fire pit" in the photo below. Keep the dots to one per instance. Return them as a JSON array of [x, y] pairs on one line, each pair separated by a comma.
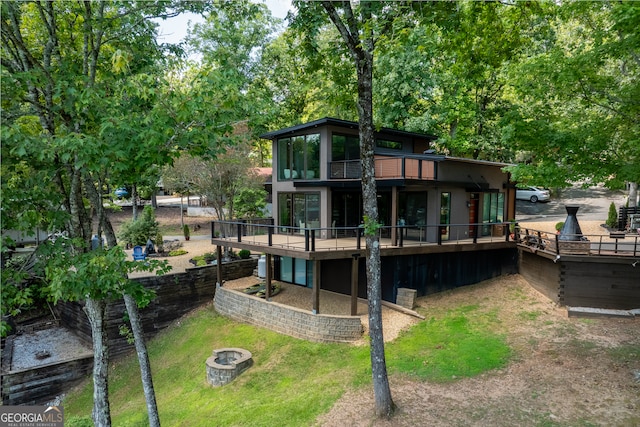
[[226, 364]]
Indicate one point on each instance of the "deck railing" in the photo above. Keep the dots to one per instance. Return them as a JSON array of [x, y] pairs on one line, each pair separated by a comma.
[[614, 244], [264, 233], [309, 239], [386, 167]]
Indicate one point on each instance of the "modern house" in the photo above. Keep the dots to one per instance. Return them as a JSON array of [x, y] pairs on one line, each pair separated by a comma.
[[443, 217], [316, 170]]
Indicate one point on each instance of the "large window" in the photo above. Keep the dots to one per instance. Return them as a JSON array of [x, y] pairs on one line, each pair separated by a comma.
[[299, 157], [492, 210], [345, 147], [300, 210], [296, 270]]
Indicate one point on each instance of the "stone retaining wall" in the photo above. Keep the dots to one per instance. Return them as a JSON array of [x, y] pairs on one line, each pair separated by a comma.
[[287, 320]]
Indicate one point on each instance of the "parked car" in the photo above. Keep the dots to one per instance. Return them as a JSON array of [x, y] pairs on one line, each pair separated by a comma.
[[532, 194], [121, 192]]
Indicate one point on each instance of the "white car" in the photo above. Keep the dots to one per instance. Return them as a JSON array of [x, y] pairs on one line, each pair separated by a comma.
[[532, 194]]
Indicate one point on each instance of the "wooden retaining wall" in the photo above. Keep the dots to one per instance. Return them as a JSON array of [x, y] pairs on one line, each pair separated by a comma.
[[541, 273], [39, 385], [176, 295], [584, 281], [600, 282]]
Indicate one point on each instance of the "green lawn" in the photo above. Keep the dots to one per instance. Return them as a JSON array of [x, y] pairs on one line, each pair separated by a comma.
[[291, 382]]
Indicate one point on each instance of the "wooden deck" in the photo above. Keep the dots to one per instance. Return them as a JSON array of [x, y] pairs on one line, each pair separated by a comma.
[[301, 246]]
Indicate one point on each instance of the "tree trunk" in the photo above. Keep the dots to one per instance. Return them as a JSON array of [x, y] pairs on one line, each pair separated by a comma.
[[358, 37], [181, 213], [633, 194], [384, 405], [134, 201], [95, 310], [143, 360]]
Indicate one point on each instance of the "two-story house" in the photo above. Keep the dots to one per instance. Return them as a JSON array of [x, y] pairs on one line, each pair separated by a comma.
[[442, 217], [316, 183]]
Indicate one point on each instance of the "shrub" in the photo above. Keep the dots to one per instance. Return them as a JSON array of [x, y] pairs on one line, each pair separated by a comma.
[[178, 252], [612, 218], [139, 231], [186, 231], [160, 242], [244, 254], [559, 226]]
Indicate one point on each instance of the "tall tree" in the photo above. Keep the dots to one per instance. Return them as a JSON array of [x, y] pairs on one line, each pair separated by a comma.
[[358, 34], [578, 110], [358, 29], [60, 62]]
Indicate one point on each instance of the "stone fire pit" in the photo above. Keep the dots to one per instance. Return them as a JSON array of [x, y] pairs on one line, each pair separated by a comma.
[[226, 364]]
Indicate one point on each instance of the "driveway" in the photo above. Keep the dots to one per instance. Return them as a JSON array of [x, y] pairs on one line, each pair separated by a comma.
[[593, 202]]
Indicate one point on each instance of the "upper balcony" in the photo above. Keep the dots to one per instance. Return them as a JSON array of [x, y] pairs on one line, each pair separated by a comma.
[[387, 167]]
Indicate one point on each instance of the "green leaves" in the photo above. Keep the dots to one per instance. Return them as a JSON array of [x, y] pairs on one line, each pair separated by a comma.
[[99, 274]]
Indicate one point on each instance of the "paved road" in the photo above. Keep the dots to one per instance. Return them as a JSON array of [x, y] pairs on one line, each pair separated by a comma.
[[594, 205]]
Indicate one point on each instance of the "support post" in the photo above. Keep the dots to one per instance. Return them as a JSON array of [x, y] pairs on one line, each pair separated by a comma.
[[268, 278], [316, 287], [219, 264], [354, 284], [394, 214]]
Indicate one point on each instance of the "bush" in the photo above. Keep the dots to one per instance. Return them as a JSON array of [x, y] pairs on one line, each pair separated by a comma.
[[178, 252], [559, 226], [159, 242], [139, 231], [612, 218], [244, 254]]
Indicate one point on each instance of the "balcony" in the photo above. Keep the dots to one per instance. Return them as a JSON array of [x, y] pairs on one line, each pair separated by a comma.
[[387, 167], [343, 242]]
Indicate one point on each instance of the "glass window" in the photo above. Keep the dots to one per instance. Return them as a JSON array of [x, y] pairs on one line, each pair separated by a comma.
[[284, 210], [345, 147], [299, 157], [394, 145], [298, 147], [492, 210], [284, 159], [300, 210], [313, 156], [286, 269], [445, 214]]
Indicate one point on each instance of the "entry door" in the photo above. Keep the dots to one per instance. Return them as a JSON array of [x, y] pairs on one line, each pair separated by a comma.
[[346, 209], [473, 213]]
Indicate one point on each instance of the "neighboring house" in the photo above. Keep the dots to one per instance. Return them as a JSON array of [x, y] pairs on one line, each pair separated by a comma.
[[429, 205]]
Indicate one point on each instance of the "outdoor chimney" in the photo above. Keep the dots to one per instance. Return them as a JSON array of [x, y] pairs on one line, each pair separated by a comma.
[[571, 228]]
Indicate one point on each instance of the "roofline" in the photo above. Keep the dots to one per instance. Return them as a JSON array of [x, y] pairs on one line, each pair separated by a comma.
[[341, 123], [475, 161]]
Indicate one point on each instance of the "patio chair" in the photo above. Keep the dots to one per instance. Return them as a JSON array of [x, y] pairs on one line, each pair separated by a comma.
[[138, 254]]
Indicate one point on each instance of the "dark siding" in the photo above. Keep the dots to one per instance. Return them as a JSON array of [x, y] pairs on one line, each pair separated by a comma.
[[428, 274]]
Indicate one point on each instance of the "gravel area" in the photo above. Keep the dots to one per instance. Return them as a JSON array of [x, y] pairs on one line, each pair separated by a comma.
[[45, 347]]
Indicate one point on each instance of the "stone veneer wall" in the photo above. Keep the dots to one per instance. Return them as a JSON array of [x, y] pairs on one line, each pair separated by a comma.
[[287, 320]]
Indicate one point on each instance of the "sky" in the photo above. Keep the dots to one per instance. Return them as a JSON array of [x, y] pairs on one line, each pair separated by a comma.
[[175, 29]]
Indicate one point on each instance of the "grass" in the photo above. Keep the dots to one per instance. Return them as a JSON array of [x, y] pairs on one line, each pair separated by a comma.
[[292, 381], [448, 348]]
